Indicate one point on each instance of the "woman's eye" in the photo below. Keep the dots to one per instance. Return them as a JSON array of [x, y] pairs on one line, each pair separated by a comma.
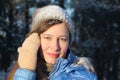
[[64, 39], [48, 38]]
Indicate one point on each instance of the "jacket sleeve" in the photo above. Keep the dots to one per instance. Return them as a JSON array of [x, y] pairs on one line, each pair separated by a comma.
[[24, 74]]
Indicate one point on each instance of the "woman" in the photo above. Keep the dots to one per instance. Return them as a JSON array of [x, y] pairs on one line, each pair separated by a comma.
[[45, 54]]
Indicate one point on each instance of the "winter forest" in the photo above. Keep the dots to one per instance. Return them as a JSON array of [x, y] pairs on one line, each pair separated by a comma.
[[96, 24]]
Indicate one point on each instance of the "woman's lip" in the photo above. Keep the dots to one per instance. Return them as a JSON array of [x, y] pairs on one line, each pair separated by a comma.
[[53, 55]]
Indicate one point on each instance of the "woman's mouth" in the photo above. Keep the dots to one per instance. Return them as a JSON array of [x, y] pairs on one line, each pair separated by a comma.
[[53, 55]]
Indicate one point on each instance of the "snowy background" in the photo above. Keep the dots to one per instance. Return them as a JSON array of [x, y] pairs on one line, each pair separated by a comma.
[[97, 32]]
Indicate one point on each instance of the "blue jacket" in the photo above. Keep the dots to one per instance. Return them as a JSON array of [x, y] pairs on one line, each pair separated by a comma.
[[63, 70]]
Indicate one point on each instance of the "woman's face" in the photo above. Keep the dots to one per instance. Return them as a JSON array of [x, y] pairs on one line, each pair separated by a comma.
[[54, 42]]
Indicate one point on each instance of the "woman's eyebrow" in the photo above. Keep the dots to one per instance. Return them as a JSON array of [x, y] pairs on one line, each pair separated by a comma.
[[47, 35], [66, 36]]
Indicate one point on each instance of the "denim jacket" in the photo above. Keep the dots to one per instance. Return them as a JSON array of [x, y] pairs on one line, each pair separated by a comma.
[[63, 70]]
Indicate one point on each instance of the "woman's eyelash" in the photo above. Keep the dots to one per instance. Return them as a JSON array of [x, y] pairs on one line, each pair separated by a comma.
[[63, 39], [47, 37]]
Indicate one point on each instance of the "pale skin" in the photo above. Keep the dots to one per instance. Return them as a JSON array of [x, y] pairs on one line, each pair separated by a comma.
[[54, 42]]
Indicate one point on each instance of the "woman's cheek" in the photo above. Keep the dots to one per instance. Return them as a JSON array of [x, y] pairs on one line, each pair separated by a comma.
[[44, 45], [65, 47]]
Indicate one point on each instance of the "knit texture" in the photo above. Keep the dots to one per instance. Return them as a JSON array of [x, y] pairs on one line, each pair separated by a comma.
[[51, 12]]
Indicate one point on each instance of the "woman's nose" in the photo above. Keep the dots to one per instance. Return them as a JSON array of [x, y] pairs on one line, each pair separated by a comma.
[[55, 45]]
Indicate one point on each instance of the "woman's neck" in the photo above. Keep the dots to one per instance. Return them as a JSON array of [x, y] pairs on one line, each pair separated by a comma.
[[49, 67]]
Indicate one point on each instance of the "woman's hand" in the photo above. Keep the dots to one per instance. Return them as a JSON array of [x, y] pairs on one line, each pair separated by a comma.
[[28, 52]]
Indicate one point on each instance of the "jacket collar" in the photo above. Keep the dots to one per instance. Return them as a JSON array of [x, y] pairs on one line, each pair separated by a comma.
[[61, 63]]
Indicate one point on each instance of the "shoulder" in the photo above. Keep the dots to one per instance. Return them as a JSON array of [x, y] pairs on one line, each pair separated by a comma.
[[78, 71], [72, 69], [81, 66], [85, 62], [73, 72], [81, 61]]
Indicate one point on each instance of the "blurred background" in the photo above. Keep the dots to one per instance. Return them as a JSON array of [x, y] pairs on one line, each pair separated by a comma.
[[97, 32]]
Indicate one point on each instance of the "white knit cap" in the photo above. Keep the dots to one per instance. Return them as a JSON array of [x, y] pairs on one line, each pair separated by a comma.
[[51, 12]]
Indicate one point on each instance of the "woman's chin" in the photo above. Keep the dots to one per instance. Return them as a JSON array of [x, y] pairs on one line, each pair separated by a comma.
[[52, 62]]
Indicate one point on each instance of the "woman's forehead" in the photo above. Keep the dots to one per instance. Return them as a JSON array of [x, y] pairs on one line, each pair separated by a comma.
[[58, 29]]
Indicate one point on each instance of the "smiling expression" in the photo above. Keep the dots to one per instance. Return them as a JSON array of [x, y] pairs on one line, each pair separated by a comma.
[[55, 42]]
